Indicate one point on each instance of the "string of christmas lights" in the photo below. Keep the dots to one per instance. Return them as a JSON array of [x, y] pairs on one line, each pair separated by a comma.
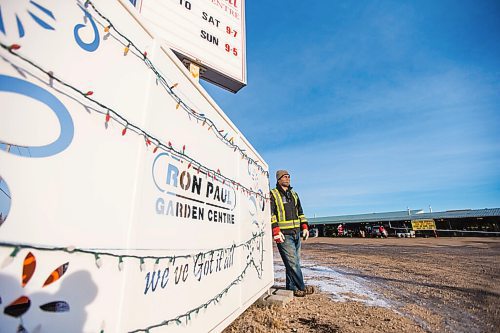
[[170, 89], [111, 114], [99, 254], [187, 316]]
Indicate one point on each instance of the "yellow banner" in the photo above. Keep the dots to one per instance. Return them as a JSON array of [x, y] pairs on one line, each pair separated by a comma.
[[423, 224]]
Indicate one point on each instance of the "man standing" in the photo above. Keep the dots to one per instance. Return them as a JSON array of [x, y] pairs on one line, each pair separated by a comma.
[[289, 225]]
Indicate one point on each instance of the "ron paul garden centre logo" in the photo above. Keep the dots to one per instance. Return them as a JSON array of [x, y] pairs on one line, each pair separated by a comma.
[[190, 194]]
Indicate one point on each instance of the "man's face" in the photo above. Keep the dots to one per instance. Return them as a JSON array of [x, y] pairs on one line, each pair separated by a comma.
[[284, 181]]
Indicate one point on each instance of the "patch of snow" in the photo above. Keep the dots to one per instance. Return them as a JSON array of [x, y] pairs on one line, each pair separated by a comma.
[[340, 286]]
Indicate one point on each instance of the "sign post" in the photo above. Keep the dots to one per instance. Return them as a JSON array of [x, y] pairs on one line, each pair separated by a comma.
[[132, 203], [208, 33]]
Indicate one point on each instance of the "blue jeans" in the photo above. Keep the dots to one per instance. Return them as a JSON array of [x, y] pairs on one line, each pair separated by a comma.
[[290, 254]]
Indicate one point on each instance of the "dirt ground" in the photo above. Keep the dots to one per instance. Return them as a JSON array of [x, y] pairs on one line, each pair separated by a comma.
[[414, 285]]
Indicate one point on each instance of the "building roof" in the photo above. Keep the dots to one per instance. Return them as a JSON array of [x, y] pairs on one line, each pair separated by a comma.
[[405, 215]]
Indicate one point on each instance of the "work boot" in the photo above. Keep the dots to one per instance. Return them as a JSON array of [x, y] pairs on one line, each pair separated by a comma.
[[309, 290], [299, 293]]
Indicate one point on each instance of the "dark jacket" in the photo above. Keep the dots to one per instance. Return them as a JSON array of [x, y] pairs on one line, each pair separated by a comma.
[[294, 218]]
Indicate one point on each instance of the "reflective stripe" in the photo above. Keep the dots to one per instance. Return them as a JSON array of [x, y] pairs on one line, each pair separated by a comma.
[[295, 197], [280, 207], [302, 217], [290, 224]]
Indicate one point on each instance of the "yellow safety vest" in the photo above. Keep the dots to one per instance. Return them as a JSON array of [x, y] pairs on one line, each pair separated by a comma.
[[283, 223]]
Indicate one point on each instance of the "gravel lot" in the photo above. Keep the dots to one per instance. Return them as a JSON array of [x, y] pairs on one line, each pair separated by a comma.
[[389, 285]]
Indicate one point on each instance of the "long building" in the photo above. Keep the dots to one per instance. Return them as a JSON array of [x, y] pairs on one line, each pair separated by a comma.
[[465, 222]]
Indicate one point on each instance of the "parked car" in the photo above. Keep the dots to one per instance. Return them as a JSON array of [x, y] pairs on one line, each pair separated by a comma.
[[405, 234]]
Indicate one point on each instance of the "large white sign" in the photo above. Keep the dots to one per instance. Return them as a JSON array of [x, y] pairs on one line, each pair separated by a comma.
[[210, 33], [129, 202]]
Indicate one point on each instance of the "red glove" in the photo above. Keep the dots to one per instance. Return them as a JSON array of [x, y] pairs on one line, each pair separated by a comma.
[[305, 231], [278, 235]]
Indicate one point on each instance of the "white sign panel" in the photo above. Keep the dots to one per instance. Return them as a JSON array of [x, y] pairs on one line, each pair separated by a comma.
[[210, 33], [128, 201]]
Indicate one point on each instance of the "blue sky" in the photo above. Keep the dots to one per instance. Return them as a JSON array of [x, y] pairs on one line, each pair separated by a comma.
[[375, 106]]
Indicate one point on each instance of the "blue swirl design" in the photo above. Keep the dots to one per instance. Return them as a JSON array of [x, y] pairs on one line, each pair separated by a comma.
[[153, 171], [2, 27], [40, 21], [92, 46], [37, 19], [262, 203], [25, 88], [20, 27], [5, 200], [253, 211]]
